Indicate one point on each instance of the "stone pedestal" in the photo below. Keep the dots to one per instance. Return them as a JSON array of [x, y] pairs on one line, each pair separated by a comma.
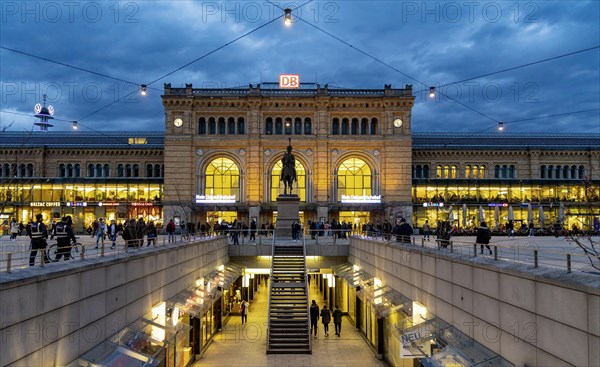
[[288, 211]]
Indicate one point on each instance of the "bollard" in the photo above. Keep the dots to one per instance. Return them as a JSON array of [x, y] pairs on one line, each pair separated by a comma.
[[475, 250], [413, 240], [82, 253], [423, 242], [8, 262], [535, 258], [43, 252], [568, 263], [451, 246], [495, 253], [102, 249]]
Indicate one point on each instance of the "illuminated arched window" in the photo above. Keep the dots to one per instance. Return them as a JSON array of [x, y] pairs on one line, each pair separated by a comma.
[[453, 172], [439, 173], [354, 178], [277, 186], [481, 171], [222, 177], [468, 171]]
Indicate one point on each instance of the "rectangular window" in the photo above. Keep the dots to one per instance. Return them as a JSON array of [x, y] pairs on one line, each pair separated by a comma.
[[137, 141]]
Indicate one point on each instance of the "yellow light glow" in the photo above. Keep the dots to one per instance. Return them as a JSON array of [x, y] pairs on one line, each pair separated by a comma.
[[356, 267], [377, 283], [419, 313], [159, 312], [221, 267]]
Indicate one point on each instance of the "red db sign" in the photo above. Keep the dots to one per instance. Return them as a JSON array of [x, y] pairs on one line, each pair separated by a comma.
[[289, 81]]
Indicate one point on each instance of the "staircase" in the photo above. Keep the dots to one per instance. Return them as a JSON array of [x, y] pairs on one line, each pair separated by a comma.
[[289, 329]]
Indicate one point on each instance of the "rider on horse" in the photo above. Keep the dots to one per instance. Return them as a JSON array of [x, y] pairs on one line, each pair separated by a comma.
[[288, 171]]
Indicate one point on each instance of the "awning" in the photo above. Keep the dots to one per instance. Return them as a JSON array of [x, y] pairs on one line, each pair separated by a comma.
[[351, 276], [385, 300]]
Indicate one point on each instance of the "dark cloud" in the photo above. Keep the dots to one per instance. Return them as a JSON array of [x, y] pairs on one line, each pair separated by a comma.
[[427, 42]]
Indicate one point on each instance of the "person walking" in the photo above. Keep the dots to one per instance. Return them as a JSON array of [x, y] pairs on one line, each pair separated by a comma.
[[112, 233], [531, 229], [510, 229], [403, 231], [244, 311], [483, 237], [426, 230], [64, 237], [151, 233], [314, 317], [171, 231], [38, 234], [253, 230], [325, 319], [337, 320], [14, 229], [100, 231]]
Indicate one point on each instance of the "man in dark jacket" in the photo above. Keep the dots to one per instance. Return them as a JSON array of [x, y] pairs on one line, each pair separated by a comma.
[[64, 237], [403, 231], [38, 234], [483, 237], [314, 317]]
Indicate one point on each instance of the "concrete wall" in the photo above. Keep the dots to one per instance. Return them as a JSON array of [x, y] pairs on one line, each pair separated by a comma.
[[533, 317], [52, 318]]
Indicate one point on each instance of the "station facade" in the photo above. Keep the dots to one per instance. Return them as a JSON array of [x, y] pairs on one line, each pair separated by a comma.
[[357, 161]]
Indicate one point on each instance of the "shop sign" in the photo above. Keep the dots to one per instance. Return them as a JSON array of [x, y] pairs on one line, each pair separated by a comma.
[[289, 81], [76, 203], [215, 199], [433, 205], [408, 338], [108, 203], [45, 203], [504, 205], [143, 203], [361, 199]]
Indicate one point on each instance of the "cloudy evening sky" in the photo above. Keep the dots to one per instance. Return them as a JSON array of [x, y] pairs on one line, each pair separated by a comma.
[[424, 43]]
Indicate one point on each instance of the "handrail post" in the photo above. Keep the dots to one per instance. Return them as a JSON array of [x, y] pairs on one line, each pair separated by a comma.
[[451, 246], [495, 253], [535, 258], [474, 250], [82, 253], [568, 263], [102, 249], [43, 260], [8, 262], [423, 242]]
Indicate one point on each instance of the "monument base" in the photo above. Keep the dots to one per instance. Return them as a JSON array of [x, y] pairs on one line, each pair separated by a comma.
[[288, 212]]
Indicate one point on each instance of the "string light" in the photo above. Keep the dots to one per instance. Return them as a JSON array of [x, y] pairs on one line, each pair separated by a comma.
[[74, 125], [143, 89], [500, 126], [431, 92]]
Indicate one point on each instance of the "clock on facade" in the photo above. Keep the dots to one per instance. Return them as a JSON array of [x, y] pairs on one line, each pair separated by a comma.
[[178, 122], [398, 122]]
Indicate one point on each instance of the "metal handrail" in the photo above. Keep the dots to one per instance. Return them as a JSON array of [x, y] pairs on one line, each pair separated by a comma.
[[306, 289], [270, 288]]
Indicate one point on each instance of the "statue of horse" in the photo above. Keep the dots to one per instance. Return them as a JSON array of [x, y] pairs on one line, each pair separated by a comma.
[[288, 171]]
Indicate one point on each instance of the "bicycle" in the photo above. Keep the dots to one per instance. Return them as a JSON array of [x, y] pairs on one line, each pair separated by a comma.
[[52, 251]]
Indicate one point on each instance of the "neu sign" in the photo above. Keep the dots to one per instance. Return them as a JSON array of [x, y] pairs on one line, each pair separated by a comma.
[[289, 81]]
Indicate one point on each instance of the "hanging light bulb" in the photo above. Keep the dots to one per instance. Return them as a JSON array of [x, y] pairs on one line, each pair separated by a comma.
[[287, 17], [74, 125], [500, 126], [143, 91], [431, 92]]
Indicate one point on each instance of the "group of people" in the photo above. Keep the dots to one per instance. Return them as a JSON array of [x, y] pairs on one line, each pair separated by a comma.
[[39, 233], [325, 315]]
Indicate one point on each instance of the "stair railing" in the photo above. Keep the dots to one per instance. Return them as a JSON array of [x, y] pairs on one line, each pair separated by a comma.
[[306, 290], [270, 289]]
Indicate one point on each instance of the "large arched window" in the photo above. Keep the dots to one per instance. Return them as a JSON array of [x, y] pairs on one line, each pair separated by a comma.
[[573, 172], [277, 186], [550, 171], [565, 174], [136, 170], [425, 171], [468, 171], [106, 169], [30, 170], [288, 126], [62, 172], [157, 170], [511, 171], [98, 170], [222, 177], [120, 170], [354, 178], [581, 172], [149, 170]]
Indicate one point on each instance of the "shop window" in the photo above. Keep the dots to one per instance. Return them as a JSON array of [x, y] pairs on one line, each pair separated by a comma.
[[298, 126], [468, 171], [373, 126], [241, 126], [277, 187], [354, 126], [202, 126], [222, 177], [91, 170], [354, 178], [62, 172], [364, 126], [222, 126], [307, 126], [231, 126], [278, 126], [335, 127], [212, 126], [269, 126], [439, 172]]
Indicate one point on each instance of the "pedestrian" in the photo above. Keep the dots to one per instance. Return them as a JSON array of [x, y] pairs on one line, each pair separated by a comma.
[[100, 231], [64, 237], [112, 233], [152, 233], [94, 227], [140, 229], [557, 228], [403, 231], [14, 229], [253, 230], [337, 320], [483, 237], [426, 230], [38, 234], [130, 234], [531, 229], [171, 231], [325, 319], [244, 308], [510, 228], [314, 317]]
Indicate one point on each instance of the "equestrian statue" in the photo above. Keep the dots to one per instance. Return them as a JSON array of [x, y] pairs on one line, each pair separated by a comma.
[[288, 169]]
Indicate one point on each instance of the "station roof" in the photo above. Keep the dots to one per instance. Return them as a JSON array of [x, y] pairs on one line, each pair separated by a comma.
[[83, 139]]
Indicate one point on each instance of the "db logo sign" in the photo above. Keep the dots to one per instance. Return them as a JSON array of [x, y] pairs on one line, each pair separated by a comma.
[[289, 81]]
